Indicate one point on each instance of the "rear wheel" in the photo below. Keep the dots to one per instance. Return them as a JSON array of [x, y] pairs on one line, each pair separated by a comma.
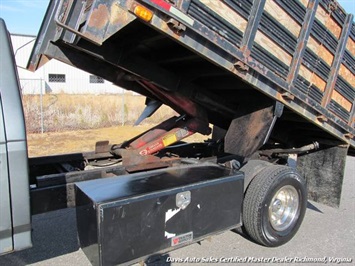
[[251, 169], [274, 205]]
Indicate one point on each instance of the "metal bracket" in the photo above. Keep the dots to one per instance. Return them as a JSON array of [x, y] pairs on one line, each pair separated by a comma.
[[176, 25], [241, 66], [322, 118], [332, 6], [183, 199], [102, 146], [348, 135], [279, 108], [288, 96], [292, 160]]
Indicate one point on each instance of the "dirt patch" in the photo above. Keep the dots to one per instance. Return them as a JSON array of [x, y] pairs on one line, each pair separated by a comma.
[[84, 140]]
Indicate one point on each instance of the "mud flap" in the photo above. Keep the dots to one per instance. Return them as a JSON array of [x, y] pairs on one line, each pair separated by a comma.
[[247, 133], [324, 171]]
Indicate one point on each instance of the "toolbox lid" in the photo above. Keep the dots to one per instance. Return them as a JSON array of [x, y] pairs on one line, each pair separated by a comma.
[[120, 187]]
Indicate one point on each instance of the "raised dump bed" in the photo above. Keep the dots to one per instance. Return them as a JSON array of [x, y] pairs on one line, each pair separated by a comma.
[[275, 78], [225, 56]]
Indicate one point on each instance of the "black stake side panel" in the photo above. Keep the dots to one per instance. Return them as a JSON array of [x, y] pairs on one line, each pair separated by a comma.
[[308, 83], [128, 218]]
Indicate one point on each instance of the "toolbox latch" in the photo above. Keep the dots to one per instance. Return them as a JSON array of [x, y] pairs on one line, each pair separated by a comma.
[[183, 199]]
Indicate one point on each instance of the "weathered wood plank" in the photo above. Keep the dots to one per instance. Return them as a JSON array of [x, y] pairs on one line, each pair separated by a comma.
[[324, 17], [227, 13], [334, 27], [320, 50], [282, 17], [350, 45], [312, 78], [304, 2], [340, 99], [273, 48], [347, 75]]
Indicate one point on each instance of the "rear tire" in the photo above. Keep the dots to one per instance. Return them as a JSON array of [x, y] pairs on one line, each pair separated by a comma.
[[274, 205], [251, 169]]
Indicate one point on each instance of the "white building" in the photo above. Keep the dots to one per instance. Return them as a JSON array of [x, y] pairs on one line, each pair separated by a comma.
[[55, 77]]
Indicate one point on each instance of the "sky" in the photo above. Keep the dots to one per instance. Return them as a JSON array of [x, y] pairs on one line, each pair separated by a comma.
[[25, 16]]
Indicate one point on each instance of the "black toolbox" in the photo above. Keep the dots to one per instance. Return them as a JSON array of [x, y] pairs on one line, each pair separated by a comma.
[[127, 218]]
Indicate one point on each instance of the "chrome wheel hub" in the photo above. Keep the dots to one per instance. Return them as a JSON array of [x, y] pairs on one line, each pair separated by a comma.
[[283, 208]]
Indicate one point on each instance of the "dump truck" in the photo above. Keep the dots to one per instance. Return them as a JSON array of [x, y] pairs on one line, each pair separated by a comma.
[[272, 83]]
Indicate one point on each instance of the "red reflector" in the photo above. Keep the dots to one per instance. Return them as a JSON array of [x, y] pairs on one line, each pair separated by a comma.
[[162, 4]]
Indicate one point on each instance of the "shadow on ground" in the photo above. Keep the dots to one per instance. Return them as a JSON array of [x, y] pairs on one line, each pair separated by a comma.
[[53, 234], [310, 206]]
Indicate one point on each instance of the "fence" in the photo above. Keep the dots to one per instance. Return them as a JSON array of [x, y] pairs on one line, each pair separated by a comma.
[[48, 112], [33, 87]]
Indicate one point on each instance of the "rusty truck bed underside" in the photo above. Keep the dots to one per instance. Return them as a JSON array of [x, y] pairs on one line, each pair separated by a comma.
[[213, 71]]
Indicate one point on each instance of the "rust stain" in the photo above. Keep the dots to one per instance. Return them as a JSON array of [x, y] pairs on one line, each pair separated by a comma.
[[32, 67], [350, 45], [165, 27], [43, 59], [170, 30], [99, 17], [279, 96], [118, 15], [320, 50], [340, 99], [281, 16], [257, 66], [347, 75]]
